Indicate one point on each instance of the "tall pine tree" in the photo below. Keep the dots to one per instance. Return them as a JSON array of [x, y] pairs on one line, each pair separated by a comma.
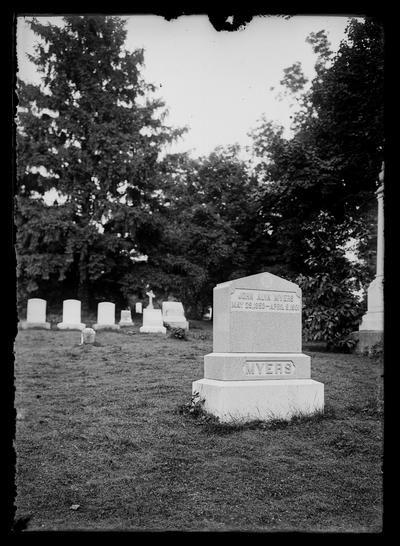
[[91, 132]]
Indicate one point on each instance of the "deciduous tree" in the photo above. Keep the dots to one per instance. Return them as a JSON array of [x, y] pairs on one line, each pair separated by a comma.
[[319, 184]]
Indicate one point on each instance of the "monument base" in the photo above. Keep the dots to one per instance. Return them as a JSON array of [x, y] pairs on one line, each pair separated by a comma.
[[152, 329], [373, 318], [71, 326], [242, 401], [177, 324], [124, 324], [372, 321], [34, 325], [366, 339], [105, 327]]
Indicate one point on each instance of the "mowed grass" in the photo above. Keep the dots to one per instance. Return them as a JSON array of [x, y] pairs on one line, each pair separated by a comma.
[[102, 444]]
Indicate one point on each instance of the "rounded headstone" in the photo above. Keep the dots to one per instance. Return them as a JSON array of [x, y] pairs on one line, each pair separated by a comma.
[[71, 311], [106, 313], [36, 310]]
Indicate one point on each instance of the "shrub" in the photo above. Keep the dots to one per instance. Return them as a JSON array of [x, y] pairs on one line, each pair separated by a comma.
[[331, 311], [178, 333], [376, 350], [194, 408]]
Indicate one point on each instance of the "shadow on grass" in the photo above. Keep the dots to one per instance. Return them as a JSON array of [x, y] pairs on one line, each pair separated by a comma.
[[211, 424]]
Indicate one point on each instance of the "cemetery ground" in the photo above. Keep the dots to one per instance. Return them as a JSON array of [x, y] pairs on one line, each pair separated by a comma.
[[105, 441]]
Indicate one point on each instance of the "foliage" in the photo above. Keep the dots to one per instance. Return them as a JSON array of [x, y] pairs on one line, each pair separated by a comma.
[[91, 133], [40, 237], [330, 311], [332, 162], [294, 78], [376, 351], [318, 185], [178, 333], [331, 306], [208, 219], [194, 408]]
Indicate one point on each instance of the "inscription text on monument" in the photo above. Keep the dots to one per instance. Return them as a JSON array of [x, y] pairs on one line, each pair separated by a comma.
[[268, 367], [267, 301]]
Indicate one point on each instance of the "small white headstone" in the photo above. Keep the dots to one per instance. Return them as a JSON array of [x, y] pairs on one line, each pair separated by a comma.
[[72, 311], [106, 313], [88, 336], [126, 318], [71, 316], [36, 310], [174, 314], [138, 307], [36, 314], [106, 317]]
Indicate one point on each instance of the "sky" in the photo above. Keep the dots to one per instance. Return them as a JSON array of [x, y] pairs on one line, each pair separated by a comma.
[[217, 83]]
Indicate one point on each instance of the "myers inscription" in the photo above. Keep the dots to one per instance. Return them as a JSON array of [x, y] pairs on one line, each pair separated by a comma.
[[268, 367], [266, 301]]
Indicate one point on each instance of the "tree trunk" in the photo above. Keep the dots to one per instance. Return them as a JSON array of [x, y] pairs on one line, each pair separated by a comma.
[[83, 287]]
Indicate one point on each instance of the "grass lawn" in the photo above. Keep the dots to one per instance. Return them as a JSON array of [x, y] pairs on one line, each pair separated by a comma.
[[102, 442]]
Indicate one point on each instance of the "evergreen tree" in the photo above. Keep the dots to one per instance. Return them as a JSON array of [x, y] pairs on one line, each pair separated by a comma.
[[92, 133]]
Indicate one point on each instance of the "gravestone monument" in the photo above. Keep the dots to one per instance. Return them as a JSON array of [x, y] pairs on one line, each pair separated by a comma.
[[371, 328], [71, 316], [88, 336], [138, 308], [152, 318], [126, 318], [106, 317], [174, 314], [257, 369], [35, 315]]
